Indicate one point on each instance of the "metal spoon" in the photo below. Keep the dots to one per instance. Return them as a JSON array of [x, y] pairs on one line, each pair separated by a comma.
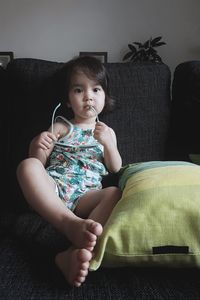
[[94, 110]]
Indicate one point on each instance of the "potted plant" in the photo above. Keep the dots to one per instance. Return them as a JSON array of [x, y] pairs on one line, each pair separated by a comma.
[[140, 52]]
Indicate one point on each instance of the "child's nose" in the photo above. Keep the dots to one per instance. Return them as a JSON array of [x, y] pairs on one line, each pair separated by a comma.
[[88, 96]]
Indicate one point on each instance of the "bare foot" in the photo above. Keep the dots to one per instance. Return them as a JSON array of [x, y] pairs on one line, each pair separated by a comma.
[[74, 264], [83, 233]]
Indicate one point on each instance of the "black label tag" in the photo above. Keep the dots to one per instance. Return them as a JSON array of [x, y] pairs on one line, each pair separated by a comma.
[[170, 249]]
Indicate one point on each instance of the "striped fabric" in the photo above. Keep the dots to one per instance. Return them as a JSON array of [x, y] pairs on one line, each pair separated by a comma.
[[159, 209]]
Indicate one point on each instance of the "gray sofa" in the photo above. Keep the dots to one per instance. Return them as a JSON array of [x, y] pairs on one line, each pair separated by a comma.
[[151, 123]]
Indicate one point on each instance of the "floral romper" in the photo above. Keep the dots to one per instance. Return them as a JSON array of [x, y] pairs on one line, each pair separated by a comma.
[[76, 165]]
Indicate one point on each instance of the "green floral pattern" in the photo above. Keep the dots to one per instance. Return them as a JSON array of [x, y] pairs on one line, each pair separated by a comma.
[[77, 166]]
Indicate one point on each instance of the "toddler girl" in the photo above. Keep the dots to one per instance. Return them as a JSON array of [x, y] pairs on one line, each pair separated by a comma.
[[61, 179]]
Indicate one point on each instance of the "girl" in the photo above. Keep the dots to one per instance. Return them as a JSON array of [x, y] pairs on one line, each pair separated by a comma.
[[61, 179]]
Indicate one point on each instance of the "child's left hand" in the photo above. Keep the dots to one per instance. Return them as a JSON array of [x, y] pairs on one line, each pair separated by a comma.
[[102, 133]]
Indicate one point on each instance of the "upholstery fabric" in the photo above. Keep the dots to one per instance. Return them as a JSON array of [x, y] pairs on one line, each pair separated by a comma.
[[185, 109], [26, 273], [140, 119], [155, 221]]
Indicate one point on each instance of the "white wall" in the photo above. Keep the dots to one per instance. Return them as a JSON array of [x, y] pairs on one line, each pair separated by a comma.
[[59, 29]]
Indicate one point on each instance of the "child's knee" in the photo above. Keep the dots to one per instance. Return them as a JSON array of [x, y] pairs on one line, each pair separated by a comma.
[[25, 165]]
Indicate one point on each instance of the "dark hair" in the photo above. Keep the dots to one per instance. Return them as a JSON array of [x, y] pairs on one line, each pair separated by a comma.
[[93, 69]]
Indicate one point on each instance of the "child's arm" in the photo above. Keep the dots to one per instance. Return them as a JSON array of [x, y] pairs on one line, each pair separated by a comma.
[[106, 136], [42, 145]]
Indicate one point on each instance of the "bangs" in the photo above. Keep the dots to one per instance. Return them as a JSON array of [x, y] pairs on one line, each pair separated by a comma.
[[93, 71]]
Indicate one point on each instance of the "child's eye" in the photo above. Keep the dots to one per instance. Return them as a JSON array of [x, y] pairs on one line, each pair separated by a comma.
[[77, 90], [97, 89]]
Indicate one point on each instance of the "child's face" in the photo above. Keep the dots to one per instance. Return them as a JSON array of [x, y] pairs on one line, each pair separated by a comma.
[[83, 93]]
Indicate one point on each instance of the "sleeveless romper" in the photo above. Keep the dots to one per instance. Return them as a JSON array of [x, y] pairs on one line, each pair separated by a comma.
[[76, 165]]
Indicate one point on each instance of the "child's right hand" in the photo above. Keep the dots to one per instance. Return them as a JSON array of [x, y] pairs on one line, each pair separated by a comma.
[[45, 140], [42, 145]]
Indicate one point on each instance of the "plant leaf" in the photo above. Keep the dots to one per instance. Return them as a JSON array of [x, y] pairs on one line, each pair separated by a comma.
[[127, 55], [132, 48], [152, 50], [156, 40], [160, 44], [135, 56], [147, 44], [138, 44]]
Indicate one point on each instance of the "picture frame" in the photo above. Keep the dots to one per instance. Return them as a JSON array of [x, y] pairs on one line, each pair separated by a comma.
[[5, 58], [102, 56]]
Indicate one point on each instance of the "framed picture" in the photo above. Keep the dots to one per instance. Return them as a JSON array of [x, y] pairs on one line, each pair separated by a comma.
[[5, 58], [100, 55]]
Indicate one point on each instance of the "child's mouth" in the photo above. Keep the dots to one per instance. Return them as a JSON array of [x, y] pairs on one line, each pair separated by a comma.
[[92, 108]]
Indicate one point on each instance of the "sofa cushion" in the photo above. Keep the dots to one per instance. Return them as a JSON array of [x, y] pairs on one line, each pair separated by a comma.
[[157, 220]]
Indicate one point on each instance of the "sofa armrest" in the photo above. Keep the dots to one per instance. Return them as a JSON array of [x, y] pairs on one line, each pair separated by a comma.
[[185, 111], [4, 125]]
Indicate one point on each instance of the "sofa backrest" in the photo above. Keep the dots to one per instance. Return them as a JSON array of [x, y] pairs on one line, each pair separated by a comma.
[[140, 119]]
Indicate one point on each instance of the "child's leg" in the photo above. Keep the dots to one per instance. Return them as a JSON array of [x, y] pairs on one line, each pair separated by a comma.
[[39, 191], [98, 205], [73, 263]]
